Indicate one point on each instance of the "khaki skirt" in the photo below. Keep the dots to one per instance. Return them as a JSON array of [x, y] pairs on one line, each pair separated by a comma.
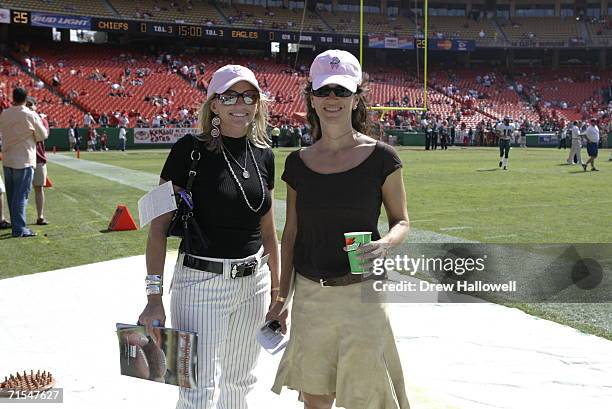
[[342, 345]]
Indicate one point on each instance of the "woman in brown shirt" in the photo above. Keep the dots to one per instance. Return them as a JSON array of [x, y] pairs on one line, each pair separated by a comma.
[[341, 347]]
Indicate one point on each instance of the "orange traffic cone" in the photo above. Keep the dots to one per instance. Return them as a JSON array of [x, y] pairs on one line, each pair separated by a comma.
[[122, 220], [48, 182]]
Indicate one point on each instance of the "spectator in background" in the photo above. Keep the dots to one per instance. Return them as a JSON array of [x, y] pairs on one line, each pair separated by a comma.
[[297, 135], [443, 136], [592, 135], [576, 144], [435, 134], [123, 120], [284, 133], [428, 133], [40, 172], [104, 141], [92, 136], [20, 129], [156, 121], [88, 120], [77, 138], [275, 134], [4, 224], [122, 138], [56, 80], [103, 120], [71, 139]]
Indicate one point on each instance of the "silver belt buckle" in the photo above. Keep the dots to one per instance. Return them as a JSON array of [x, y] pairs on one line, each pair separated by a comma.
[[323, 283], [243, 269], [234, 272]]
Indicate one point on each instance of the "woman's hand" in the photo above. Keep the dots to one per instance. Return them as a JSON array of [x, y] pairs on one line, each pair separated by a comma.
[[154, 311], [371, 251], [275, 313]]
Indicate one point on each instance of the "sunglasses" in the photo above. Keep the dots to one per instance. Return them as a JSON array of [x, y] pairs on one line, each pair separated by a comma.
[[338, 91], [231, 98]]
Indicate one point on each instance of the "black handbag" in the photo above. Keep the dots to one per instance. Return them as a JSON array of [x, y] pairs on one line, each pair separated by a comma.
[[183, 224]]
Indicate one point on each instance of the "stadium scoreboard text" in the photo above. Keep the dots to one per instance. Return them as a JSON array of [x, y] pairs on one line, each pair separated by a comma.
[[209, 32], [219, 33]]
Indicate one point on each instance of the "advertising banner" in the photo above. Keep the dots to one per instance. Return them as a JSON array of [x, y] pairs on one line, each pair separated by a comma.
[[161, 135]]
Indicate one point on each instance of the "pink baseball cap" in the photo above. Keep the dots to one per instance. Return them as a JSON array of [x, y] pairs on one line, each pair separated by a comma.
[[227, 76], [336, 67]]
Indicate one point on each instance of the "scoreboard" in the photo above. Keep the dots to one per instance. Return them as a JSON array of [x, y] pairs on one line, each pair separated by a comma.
[[181, 30], [219, 32]]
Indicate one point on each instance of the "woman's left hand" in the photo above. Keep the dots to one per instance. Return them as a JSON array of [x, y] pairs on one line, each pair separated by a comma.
[[371, 251], [277, 313]]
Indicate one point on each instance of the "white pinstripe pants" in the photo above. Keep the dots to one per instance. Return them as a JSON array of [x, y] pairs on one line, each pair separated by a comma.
[[225, 313]]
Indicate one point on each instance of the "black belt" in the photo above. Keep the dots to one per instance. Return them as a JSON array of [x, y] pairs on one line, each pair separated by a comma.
[[239, 269], [345, 279]]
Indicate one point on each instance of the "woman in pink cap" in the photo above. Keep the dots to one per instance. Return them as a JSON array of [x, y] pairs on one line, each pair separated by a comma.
[[341, 345], [221, 290]]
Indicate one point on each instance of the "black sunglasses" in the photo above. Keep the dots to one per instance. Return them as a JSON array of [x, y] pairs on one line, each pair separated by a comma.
[[231, 98], [338, 91]]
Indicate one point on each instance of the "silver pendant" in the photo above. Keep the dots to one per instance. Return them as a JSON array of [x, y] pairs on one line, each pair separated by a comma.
[[246, 174]]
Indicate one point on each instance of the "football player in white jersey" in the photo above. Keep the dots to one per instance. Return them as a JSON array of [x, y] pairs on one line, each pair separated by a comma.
[[505, 130]]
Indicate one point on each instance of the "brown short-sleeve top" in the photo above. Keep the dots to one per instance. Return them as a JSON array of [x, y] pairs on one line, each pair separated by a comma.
[[329, 205]]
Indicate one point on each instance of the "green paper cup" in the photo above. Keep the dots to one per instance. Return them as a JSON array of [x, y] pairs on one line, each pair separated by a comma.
[[353, 240]]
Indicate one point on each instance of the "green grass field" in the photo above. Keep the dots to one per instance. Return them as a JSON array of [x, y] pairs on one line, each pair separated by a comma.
[[460, 192]]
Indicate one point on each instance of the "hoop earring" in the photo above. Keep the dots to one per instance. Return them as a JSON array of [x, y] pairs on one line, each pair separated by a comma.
[[215, 132]]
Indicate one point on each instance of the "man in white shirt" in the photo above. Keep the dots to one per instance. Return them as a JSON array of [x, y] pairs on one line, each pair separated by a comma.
[[576, 144], [21, 129], [592, 135], [505, 130], [87, 120]]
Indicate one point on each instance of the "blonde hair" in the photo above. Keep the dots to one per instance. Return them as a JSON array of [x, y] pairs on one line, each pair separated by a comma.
[[259, 136]]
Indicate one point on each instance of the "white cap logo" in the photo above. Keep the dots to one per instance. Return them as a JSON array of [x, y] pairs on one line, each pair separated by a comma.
[[335, 62]]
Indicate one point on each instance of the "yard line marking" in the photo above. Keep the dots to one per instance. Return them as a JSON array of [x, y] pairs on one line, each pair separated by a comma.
[[97, 213], [72, 199], [146, 181], [500, 208], [501, 236], [455, 228], [129, 177]]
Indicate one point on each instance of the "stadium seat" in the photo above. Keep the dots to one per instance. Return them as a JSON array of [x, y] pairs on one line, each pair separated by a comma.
[[47, 102], [195, 12], [79, 8]]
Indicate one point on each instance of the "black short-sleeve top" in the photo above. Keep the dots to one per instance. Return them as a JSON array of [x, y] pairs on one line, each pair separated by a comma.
[[329, 205], [220, 208]]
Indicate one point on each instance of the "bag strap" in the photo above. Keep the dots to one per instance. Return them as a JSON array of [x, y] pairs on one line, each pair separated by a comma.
[[195, 159]]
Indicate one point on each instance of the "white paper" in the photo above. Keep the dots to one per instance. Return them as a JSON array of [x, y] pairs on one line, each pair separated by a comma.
[[272, 342], [155, 203]]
